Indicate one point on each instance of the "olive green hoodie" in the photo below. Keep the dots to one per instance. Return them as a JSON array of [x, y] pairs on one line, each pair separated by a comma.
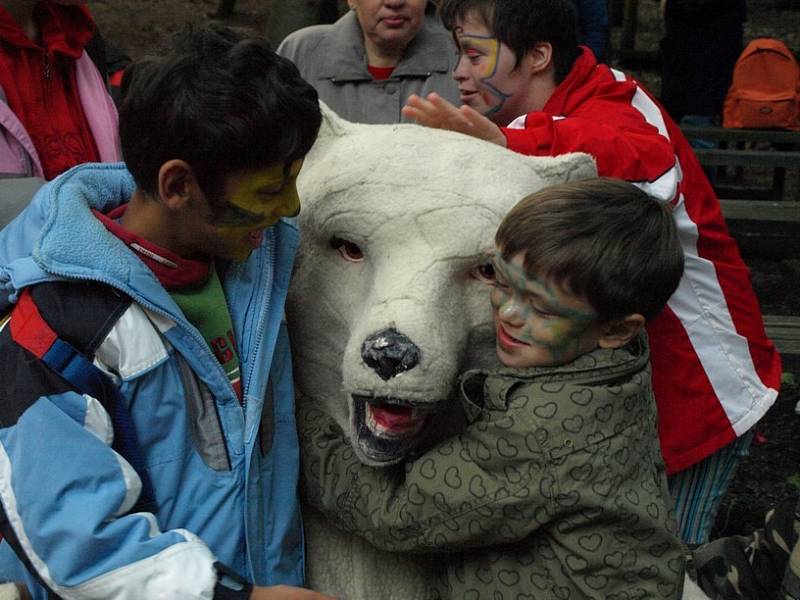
[[556, 489]]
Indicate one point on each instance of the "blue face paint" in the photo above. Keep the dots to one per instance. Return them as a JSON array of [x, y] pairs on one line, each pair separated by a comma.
[[537, 323]]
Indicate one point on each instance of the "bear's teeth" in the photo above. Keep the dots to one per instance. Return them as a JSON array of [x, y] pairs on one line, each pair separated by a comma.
[[412, 424]]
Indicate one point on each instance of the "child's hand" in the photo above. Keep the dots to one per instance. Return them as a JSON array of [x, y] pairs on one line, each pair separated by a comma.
[[434, 111]]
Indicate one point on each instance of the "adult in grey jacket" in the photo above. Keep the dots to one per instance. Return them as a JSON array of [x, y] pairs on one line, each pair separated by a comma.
[[366, 64]]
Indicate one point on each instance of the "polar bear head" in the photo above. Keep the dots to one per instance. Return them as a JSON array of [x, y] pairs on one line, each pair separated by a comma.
[[389, 302]]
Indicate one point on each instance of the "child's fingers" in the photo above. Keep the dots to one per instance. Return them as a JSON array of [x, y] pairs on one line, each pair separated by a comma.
[[422, 111], [439, 102], [411, 113], [444, 108], [482, 127], [421, 117], [434, 111], [477, 121], [414, 101]]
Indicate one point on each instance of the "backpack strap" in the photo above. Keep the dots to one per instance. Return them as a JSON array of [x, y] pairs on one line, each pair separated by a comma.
[[31, 331]]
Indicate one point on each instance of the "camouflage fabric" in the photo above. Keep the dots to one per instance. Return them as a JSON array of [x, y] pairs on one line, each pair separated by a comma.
[[761, 566], [559, 473]]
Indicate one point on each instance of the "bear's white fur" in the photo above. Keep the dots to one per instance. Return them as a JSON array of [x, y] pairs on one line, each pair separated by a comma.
[[396, 222]]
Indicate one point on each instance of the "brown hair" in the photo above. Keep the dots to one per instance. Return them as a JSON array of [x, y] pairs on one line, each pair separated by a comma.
[[601, 239], [521, 24]]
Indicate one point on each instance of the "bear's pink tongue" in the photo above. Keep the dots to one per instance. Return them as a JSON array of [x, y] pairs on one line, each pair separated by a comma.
[[394, 417]]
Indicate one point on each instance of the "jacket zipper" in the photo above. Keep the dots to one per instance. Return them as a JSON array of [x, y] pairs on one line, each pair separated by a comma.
[[262, 318]]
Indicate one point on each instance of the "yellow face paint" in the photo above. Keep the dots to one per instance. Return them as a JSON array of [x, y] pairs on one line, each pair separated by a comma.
[[485, 52], [487, 74], [483, 55], [256, 200]]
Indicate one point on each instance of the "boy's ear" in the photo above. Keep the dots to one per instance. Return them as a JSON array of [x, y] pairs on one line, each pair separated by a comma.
[[619, 332], [539, 58], [176, 184]]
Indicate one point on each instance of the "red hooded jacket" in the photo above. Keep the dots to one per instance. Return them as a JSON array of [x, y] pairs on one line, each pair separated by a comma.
[[715, 373], [40, 85]]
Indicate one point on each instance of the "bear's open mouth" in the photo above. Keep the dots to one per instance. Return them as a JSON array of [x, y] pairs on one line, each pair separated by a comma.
[[387, 427], [392, 421]]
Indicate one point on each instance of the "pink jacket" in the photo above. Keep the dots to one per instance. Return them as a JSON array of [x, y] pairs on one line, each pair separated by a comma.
[[19, 158]]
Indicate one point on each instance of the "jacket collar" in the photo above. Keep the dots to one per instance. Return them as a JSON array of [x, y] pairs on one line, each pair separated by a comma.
[[65, 29], [481, 388], [581, 70], [344, 57], [595, 367], [57, 236]]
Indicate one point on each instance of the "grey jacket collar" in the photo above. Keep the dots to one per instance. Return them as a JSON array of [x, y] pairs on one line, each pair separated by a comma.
[[345, 57]]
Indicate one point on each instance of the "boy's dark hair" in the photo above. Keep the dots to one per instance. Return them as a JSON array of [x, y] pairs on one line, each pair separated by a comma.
[[219, 99], [520, 24], [601, 239]]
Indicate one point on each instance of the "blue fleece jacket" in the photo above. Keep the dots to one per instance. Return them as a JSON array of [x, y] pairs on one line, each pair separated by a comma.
[[224, 474]]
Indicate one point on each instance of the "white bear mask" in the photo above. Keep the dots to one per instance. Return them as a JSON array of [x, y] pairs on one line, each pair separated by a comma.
[[386, 306]]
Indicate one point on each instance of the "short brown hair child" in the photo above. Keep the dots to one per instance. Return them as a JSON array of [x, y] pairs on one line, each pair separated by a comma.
[[599, 240]]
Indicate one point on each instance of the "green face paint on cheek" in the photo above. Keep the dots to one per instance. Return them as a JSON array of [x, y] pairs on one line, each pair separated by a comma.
[[255, 201], [258, 199], [531, 311]]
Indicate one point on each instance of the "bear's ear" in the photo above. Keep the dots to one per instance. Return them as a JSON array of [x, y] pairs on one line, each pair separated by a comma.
[[567, 167], [333, 125]]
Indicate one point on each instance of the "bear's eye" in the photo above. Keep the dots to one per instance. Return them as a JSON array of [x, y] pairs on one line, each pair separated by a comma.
[[347, 249], [484, 273]]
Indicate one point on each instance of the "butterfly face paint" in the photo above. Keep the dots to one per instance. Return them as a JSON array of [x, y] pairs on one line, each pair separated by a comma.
[[486, 75], [538, 324], [255, 200]]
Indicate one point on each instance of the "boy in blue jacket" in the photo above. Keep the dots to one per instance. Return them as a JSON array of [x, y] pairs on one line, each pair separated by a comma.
[[147, 440]]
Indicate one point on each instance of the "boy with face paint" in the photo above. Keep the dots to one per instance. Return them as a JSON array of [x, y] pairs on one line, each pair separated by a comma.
[[557, 487], [527, 85], [168, 275]]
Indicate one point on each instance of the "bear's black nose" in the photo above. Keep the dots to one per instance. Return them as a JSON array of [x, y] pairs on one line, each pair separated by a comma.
[[389, 353]]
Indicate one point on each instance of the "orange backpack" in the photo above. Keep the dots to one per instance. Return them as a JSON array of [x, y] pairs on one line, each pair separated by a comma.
[[765, 92]]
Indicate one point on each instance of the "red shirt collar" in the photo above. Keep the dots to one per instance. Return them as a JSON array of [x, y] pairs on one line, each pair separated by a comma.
[[172, 271], [380, 73]]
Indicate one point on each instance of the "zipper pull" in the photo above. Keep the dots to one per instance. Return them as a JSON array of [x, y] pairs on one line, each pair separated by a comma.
[[46, 66]]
